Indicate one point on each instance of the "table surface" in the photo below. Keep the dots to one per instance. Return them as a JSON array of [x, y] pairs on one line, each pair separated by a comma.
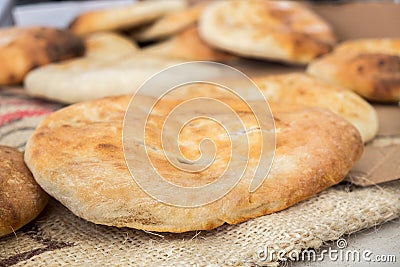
[[380, 240]]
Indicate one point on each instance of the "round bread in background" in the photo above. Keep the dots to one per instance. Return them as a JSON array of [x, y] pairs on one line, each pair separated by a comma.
[[389, 46], [170, 24], [21, 198], [94, 77], [303, 89], [369, 67], [23, 49], [108, 45], [277, 30], [293, 89], [124, 17], [187, 45]]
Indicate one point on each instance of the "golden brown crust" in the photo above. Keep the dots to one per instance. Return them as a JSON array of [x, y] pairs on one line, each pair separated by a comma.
[[293, 89], [277, 30], [21, 198], [124, 17], [89, 175], [375, 76], [303, 89], [23, 49]]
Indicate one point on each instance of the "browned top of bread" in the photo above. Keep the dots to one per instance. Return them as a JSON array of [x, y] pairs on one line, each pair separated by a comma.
[[170, 24], [375, 76], [293, 89], [314, 150], [21, 198], [23, 49], [124, 17], [108, 45]]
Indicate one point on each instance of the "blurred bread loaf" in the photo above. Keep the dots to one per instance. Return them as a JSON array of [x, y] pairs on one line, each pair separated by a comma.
[[24, 49], [369, 67], [276, 30]]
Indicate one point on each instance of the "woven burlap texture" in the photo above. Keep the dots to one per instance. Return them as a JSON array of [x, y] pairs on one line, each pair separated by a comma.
[[63, 238]]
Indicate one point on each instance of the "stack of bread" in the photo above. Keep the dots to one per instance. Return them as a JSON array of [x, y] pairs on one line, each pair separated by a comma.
[[76, 154]]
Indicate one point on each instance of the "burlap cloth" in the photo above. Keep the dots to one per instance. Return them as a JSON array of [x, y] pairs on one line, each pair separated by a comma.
[[58, 237]]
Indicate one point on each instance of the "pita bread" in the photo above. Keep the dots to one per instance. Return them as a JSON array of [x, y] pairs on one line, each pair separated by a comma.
[[295, 89], [124, 17], [89, 175], [383, 45], [108, 45], [370, 68], [301, 89], [187, 45], [21, 198], [170, 24], [23, 49], [277, 30], [91, 77]]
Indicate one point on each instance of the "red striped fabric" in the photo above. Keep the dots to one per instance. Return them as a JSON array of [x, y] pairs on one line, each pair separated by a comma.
[[19, 116]]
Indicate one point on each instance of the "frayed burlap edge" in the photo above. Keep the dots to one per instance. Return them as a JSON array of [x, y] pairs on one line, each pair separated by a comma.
[[58, 237]]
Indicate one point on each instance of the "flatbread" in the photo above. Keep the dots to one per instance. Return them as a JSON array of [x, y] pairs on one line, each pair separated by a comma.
[[302, 89], [277, 30], [315, 149], [91, 77], [21, 198], [108, 45], [188, 45], [23, 49], [370, 68], [170, 24], [124, 17]]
